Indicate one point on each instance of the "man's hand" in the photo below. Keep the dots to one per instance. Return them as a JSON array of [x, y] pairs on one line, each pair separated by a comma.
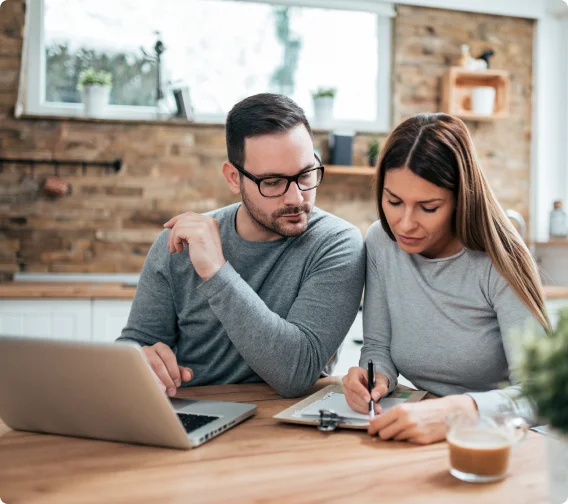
[[356, 393], [201, 233], [421, 422], [164, 364]]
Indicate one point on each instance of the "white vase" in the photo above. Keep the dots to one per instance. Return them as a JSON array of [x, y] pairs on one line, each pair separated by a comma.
[[557, 454], [95, 99], [483, 100], [323, 110]]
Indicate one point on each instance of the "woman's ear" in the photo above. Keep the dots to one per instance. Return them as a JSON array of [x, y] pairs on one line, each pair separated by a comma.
[[232, 177]]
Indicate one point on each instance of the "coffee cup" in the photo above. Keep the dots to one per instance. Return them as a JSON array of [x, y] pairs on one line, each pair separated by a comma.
[[480, 445]]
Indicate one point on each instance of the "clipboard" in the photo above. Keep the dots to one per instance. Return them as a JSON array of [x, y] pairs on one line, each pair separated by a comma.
[[328, 419]]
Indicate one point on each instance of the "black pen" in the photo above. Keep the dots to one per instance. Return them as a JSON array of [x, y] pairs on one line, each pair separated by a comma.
[[371, 385]]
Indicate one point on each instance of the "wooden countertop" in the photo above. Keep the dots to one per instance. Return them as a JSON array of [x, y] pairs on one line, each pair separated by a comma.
[[259, 460], [103, 290], [66, 290], [553, 242], [555, 292]]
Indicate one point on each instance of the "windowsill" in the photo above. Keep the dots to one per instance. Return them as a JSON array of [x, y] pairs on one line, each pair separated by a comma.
[[158, 122], [113, 120]]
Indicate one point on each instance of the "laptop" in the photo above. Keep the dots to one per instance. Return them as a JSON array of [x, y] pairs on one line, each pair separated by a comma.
[[102, 391]]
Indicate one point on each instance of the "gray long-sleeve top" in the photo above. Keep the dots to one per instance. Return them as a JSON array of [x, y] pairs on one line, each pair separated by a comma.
[[442, 323], [277, 311]]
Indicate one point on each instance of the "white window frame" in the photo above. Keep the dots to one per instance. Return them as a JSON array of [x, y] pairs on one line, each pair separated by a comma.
[[35, 103]]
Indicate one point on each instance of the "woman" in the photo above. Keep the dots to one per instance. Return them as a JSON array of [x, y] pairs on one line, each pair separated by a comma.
[[448, 278]]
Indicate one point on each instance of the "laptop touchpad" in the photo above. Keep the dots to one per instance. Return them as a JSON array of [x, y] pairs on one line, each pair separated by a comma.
[[181, 404]]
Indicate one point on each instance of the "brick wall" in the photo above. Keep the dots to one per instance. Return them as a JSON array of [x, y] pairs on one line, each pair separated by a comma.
[[109, 221], [427, 41]]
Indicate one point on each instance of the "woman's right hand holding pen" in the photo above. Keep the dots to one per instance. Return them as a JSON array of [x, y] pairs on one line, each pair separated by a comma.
[[356, 393]]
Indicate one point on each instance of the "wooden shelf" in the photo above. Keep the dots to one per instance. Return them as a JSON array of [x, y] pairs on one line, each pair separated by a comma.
[[553, 242], [474, 117], [364, 171], [555, 291], [457, 85]]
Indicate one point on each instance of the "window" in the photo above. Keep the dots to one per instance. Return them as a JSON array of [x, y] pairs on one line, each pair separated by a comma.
[[222, 50]]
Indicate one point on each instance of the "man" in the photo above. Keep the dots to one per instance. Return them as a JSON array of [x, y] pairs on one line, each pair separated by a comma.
[[271, 285]]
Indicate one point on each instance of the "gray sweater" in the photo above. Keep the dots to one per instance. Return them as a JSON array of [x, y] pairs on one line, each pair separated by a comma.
[[442, 323], [277, 311]]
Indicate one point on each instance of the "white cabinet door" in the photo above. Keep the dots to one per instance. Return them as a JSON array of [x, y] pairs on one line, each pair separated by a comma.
[[553, 307], [109, 318], [46, 318]]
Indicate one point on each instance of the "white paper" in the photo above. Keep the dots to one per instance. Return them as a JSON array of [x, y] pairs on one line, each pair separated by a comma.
[[338, 404]]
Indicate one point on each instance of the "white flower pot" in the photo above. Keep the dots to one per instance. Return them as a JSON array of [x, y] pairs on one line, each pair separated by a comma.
[[95, 99], [483, 100], [323, 110], [557, 454]]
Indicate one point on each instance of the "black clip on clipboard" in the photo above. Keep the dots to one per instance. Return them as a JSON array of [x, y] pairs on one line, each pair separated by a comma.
[[329, 420]]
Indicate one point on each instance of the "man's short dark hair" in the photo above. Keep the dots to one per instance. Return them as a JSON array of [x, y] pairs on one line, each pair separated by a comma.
[[261, 114]]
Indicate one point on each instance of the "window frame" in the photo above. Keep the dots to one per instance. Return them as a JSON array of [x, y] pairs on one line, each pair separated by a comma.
[[35, 61]]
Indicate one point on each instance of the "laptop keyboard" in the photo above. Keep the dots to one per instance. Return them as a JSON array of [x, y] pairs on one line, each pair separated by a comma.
[[193, 422]]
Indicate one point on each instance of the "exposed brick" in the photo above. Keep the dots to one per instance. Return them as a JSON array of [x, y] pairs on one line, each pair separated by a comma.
[[71, 256], [129, 235], [109, 221], [427, 41], [9, 268]]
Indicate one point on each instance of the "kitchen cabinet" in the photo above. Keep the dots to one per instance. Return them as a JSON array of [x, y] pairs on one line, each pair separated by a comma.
[[554, 306], [71, 319], [46, 318], [108, 318], [552, 258]]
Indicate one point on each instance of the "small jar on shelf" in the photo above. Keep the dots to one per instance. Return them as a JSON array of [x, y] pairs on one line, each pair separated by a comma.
[[558, 221]]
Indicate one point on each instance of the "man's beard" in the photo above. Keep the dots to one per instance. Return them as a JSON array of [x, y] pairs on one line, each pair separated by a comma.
[[270, 222]]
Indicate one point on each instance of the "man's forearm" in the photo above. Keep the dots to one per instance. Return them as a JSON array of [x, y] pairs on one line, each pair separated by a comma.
[[288, 354]]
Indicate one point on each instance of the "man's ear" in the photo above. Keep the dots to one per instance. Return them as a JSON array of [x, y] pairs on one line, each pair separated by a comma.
[[232, 177]]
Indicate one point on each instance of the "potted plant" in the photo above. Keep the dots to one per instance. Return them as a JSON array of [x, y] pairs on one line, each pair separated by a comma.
[[95, 86], [323, 105], [373, 152], [544, 371]]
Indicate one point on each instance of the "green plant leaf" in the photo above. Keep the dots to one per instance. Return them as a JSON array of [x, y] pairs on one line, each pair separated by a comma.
[[91, 77], [323, 92], [543, 372]]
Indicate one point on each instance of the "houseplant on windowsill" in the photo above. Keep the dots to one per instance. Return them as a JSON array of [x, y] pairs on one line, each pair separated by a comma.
[[95, 86], [544, 374], [373, 152], [323, 105]]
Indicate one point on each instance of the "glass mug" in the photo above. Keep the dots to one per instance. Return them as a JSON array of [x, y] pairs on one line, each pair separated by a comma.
[[480, 446]]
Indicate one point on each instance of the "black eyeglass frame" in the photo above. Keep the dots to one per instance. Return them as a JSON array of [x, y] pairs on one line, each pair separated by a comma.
[[289, 179]]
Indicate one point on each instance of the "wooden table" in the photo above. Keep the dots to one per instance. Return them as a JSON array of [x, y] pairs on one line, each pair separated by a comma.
[[257, 461]]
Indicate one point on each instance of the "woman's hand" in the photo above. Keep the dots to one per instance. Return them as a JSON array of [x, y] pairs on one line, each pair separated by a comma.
[[356, 390], [421, 422]]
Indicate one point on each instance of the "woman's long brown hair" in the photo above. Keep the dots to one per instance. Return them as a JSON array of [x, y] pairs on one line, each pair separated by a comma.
[[439, 148]]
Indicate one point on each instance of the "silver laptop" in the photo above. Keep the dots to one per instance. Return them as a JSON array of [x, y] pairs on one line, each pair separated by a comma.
[[101, 391]]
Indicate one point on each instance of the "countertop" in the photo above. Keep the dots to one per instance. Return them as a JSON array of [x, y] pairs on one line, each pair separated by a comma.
[[66, 290], [107, 290]]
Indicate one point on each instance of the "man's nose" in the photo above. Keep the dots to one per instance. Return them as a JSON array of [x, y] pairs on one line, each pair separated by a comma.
[[293, 196]]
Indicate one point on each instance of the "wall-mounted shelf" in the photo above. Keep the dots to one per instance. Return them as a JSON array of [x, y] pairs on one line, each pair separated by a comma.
[[553, 242], [364, 171], [457, 85]]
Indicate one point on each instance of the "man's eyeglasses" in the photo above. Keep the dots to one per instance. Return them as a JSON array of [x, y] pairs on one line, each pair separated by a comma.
[[273, 187]]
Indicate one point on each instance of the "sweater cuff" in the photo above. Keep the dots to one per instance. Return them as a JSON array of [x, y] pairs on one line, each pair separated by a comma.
[[491, 403], [218, 281], [392, 383]]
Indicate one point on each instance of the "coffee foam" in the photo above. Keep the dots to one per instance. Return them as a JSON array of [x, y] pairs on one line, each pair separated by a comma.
[[477, 439]]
